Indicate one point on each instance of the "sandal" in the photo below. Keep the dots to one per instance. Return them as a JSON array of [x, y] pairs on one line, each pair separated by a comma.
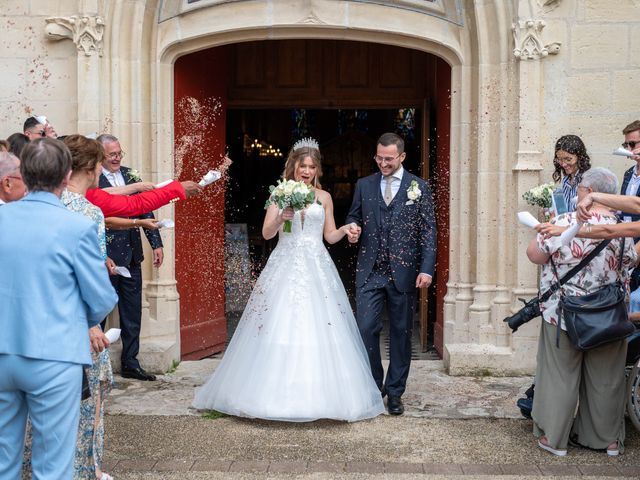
[[613, 450], [550, 449]]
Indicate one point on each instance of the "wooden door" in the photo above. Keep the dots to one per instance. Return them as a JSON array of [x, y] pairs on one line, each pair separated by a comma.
[[200, 85]]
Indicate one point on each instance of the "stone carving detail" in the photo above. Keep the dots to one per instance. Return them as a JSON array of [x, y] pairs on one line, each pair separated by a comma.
[[86, 31], [527, 35]]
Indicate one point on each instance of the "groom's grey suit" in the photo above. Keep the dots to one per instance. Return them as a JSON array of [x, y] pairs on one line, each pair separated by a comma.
[[398, 242]]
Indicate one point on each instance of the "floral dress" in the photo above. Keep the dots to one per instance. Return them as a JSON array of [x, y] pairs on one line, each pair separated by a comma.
[[602, 270], [90, 441]]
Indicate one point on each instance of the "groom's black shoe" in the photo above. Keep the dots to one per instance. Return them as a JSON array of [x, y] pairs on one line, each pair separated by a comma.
[[137, 373], [395, 406]]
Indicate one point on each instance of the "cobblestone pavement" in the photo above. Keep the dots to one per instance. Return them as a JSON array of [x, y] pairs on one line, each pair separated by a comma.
[[454, 427]]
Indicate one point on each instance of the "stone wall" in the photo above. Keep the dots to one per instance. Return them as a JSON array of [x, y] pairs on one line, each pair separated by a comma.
[[37, 75]]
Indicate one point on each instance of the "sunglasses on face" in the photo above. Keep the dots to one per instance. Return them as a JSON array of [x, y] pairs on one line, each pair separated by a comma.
[[631, 144]]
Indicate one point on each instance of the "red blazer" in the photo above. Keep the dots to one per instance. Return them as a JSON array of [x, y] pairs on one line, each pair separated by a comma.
[[131, 206]]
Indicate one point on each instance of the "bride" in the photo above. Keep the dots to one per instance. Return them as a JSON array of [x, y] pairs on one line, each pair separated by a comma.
[[296, 354]]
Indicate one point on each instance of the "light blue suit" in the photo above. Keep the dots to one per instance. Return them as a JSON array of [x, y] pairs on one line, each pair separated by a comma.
[[54, 286]]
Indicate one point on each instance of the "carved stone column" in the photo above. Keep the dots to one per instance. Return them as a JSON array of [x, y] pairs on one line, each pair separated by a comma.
[[87, 32], [529, 48]]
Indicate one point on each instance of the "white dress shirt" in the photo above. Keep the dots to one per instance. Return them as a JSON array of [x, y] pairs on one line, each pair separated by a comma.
[[115, 178]]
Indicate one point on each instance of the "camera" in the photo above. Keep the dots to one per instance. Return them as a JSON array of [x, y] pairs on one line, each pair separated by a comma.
[[530, 311]]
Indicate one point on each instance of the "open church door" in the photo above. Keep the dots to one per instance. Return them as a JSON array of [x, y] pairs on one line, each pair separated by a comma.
[[200, 85]]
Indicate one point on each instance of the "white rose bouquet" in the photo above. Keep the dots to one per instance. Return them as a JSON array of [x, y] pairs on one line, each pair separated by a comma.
[[540, 196], [289, 193]]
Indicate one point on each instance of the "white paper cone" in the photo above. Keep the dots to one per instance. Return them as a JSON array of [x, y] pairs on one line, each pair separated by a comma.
[[122, 271], [209, 178], [622, 152], [113, 334], [163, 184], [569, 234], [166, 223], [527, 219]]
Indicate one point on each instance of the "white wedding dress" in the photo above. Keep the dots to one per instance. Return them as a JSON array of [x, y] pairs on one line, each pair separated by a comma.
[[296, 354]]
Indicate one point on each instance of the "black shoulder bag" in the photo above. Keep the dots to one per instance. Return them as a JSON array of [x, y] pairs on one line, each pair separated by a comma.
[[531, 308], [597, 318]]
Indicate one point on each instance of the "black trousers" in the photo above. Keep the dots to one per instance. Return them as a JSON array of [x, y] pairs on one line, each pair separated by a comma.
[[129, 292], [371, 298]]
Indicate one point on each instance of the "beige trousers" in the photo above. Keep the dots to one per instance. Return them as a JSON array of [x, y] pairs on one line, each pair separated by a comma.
[[594, 380]]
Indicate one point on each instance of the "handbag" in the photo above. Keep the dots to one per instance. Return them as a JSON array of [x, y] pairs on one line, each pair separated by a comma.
[[531, 309], [597, 318]]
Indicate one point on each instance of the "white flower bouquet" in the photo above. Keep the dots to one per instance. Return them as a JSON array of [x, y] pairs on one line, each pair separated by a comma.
[[289, 193], [540, 196]]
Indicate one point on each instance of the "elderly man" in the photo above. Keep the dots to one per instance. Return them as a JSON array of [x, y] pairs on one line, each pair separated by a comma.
[[12, 186], [56, 289], [124, 247]]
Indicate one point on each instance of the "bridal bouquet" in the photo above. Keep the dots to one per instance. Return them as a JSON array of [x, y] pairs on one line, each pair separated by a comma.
[[540, 196], [289, 193]]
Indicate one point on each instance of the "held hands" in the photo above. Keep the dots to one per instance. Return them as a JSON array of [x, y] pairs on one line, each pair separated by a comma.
[[423, 280], [148, 223], [191, 189], [98, 339], [158, 257], [111, 265], [353, 232], [549, 230], [286, 214], [583, 207]]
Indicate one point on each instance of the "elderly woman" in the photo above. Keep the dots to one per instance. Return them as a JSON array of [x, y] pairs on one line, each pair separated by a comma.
[[566, 377], [570, 161]]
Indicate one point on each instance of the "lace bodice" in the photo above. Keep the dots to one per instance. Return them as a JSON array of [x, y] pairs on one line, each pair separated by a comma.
[[308, 233]]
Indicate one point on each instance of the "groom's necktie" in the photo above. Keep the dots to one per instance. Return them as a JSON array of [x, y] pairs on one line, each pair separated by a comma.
[[388, 193]]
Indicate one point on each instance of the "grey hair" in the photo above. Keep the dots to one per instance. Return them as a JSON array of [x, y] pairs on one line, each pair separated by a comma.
[[106, 138], [9, 163], [601, 180]]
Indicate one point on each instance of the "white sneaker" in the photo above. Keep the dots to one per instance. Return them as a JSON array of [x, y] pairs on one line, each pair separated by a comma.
[[559, 453]]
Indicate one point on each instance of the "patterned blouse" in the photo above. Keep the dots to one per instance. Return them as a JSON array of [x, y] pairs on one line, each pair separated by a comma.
[[78, 203], [601, 271]]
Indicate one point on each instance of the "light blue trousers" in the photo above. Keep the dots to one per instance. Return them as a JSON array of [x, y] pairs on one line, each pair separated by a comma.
[[49, 392]]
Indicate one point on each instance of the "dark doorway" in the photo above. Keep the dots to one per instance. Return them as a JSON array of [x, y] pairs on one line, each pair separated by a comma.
[[259, 141]]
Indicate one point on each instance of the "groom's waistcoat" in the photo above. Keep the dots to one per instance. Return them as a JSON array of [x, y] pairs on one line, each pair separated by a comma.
[[386, 217]]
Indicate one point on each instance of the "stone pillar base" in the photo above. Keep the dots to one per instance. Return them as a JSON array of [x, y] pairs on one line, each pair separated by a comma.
[[466, 359], [157, 354]]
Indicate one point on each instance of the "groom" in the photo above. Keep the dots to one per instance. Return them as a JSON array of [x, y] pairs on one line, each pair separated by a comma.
[[397, 256]]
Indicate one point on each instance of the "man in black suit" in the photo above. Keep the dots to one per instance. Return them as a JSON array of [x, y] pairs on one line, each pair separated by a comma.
[[397, 256], [124, 247]]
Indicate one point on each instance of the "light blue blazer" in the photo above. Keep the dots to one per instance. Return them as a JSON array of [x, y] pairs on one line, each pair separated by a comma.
[[54, 284]]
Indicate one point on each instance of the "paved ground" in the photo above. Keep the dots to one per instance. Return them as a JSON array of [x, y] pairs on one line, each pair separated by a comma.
[[454, 427]]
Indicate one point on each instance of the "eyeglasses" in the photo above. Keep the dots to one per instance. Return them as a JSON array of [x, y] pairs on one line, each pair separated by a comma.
[[42, 133], [631, 143], [566, 159], [115, 155], [14, 176], [380, 159]]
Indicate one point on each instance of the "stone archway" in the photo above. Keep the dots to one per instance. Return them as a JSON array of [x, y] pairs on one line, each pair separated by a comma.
[[483, 136]]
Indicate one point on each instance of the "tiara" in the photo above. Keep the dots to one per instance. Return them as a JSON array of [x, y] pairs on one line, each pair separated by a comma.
[[306, 142]]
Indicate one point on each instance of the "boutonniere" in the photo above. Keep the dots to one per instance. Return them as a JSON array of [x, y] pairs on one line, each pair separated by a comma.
[[134, 175], [413, 192]]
